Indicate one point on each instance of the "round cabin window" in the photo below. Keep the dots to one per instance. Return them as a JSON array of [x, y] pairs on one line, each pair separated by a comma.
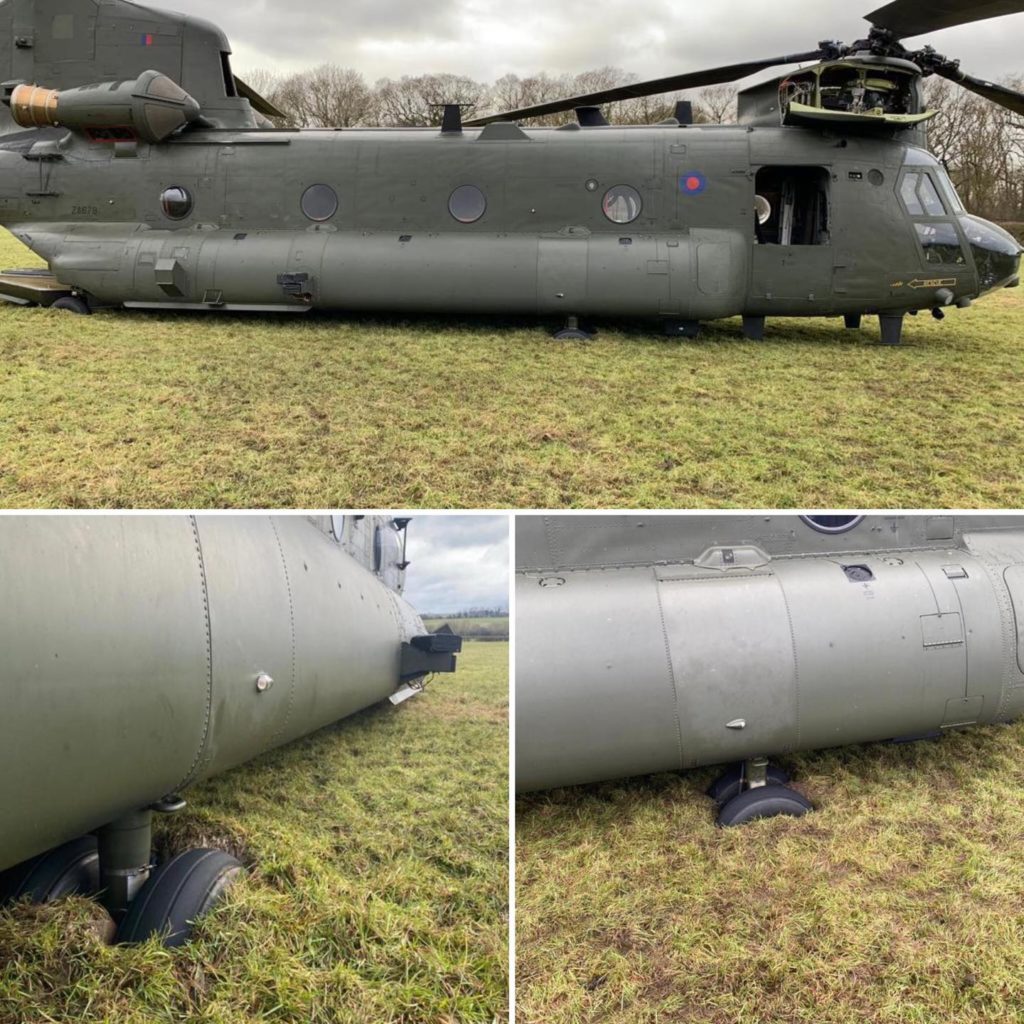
[[176, 202], [467, 204], [831, 523], [319, 202], [622, 204]]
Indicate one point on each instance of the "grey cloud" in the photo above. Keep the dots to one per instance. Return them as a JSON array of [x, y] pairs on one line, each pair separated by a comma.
[[457, 562], [487, 38]]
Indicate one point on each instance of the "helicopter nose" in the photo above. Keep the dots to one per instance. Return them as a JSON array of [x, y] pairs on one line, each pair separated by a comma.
[[996, 254]]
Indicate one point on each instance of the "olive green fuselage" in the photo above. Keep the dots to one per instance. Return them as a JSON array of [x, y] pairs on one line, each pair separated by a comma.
[[659, 643], [543, 245], [142, 653]]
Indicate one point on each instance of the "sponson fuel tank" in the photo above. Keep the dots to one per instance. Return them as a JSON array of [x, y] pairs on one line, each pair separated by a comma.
[[648, 644], [141, 653]]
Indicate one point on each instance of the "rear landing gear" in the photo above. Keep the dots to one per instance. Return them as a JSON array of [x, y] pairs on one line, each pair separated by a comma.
[[116, 866], [179, 890], [755, 789], [572, 331], [71, 868], [73, 304]]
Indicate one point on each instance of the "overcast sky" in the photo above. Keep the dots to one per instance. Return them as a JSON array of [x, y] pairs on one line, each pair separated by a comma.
[[457, 562], [487, 38]]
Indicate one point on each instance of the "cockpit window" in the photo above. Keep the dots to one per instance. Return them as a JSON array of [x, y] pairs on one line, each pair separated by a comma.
[[949, 190], [920, 196], [941, 243]]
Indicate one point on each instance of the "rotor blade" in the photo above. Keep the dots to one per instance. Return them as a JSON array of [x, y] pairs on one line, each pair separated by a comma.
[[1000, 94], [915, 17], [691, 80], [259, 103]]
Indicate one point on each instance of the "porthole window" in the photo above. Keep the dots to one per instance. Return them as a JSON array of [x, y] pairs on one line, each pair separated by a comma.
[[176, 202], [831, 523], [319, 202], [622, 204], [467, 204]]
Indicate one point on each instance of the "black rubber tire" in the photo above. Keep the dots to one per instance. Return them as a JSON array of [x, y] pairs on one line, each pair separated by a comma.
[[727, 785], [763, 802], [71, 868], [73, 304], [178, 891]]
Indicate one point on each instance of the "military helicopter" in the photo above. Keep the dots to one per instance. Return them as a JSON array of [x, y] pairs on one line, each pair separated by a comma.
[[662, 643], [147, 175], [142, 654]]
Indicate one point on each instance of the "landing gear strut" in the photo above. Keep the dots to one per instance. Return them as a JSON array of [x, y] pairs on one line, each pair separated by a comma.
[[572, 331], [755, 789]]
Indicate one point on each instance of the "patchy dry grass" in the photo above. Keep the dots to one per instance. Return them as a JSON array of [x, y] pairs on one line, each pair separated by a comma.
[[138, 409], [898, 902], [378, 889]]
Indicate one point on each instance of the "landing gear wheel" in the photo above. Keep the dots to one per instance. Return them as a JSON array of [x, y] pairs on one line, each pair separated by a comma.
[[176, 893], [574, 331], [73, 304], [763, 802], [730, 782], [71, 868]]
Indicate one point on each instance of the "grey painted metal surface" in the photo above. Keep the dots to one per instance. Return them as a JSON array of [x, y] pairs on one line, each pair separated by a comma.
[[662, 643], [137, 654], [240, 231]]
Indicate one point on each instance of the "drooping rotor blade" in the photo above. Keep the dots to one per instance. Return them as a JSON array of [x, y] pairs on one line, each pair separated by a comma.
[[259, 103], [1000, 94], [915, 17], [691, 80]]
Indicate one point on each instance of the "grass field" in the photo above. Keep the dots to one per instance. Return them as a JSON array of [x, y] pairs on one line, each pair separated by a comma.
[[377, 892], [135, 409], [899, 901]]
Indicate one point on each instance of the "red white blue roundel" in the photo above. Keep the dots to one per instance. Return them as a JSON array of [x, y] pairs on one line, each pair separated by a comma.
[[692, 183]]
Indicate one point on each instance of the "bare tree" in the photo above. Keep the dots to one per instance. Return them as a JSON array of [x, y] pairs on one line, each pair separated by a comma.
[[327, 96], [716, 104], [982, 145], [411, 101]]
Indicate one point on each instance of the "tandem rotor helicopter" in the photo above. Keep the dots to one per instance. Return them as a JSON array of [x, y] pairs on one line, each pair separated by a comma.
[[143, 654], [148, 176]]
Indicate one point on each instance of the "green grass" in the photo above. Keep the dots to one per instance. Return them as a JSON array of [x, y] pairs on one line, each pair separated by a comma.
[[472, 626], [898, 900], [377, 889], [190, 410]]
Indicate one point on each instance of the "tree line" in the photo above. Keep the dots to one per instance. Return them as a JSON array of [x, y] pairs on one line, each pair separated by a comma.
[[981, 144]]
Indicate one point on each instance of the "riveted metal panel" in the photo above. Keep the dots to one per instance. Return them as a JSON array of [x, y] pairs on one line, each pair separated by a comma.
[[595, 696], [348, 630], [104, 678], [251, 632], [733, 661]]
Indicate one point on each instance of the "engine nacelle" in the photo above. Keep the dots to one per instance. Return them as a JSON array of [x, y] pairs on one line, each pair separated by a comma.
[[150, 108]]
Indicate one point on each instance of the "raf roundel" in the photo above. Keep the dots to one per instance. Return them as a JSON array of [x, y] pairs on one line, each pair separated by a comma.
[[693, 183]]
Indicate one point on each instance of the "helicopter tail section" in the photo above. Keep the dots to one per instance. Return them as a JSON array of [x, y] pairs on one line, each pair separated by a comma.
[[66, 44]]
